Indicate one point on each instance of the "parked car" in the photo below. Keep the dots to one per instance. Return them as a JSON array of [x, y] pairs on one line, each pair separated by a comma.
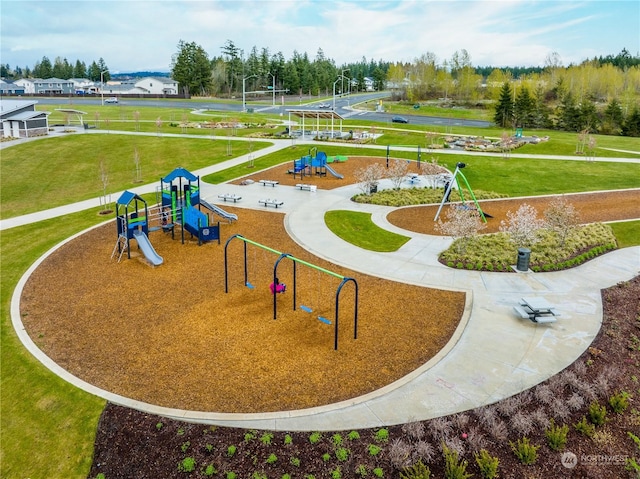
[[324, 105], [112, 99], [399, 119]]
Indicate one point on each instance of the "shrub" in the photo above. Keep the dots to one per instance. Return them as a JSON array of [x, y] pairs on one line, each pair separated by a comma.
[[266, 438], [382, 435], [209, 470], [488, 464], [353, 435], [295, 461], [231, 450], [556, 436], [336, 439], [315, 437], [454, 467], [231, 475], [342, 454], [417, 471], [378, 472], [619, 402], [585, 427], [288, 439], [326, 457], [272, 459], [526, 452], [597, 414], [336, 473], [361, 470], [374, 450], [249, 436], [188, 464]]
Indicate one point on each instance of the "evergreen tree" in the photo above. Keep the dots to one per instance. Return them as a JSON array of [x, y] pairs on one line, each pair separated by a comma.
[[568, 114], [79, 70], [523, 108], [191, 68], [541, 112], [503, 116], [631, 126], [234, 64], [589, 119], [613, 118], [43, 69], [379, 78]]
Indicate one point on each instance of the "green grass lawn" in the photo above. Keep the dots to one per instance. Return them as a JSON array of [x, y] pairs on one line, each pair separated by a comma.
[[47, 425], [358, 229], [47, 173]]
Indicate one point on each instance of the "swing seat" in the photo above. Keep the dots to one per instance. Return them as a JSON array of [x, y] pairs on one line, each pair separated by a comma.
[[249, 285], [324, 320], [306, 308]]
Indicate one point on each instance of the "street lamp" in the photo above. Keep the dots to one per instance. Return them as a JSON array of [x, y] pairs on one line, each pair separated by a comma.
[[273, 87], [341, 77], [244, 79], [102, 85]]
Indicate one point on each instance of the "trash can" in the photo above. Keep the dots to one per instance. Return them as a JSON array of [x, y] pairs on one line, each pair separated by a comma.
[[524, 255]]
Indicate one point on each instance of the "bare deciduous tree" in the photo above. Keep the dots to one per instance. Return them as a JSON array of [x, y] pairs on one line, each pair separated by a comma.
[[369, 177], [523, 225], [137, 176], [104, 179], [430, 170], [561, 217], [397, 172], [461, 224]]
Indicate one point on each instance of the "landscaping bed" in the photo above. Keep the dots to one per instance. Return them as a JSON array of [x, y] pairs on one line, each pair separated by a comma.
[[133, 444]]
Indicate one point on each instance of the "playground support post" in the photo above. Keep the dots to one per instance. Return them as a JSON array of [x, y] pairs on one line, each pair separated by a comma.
[[449, 187]]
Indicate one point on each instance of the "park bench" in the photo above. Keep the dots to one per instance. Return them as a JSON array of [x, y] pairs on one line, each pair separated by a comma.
[[270, 202], [229, 197], [272, 183], [304, 186]]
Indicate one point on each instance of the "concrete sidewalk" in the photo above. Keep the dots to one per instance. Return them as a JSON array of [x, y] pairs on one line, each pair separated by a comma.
[[492, 355]]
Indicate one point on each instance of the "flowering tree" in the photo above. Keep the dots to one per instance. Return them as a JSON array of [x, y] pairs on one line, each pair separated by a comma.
[[397, 172], [523, 225], [461, 224], [369, 177], [561, 217]]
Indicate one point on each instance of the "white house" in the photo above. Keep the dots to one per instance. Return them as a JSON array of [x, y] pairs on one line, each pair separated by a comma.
[[28, 84], [157, 86]]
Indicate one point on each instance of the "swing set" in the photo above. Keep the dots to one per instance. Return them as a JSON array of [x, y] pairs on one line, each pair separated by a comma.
[[449, 186], [296, 262]]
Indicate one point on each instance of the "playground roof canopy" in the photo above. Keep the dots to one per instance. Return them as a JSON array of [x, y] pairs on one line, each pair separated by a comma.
[[324, 114], [127, 197], [179, 173]]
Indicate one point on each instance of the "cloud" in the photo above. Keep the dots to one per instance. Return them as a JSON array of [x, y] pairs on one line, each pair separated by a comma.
[[143, 35]]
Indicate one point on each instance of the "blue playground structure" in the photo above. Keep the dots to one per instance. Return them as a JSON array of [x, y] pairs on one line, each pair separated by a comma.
[[181, 203], [132, 222], [315, 163]]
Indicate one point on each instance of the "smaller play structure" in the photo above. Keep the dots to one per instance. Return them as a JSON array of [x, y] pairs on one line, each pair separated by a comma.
[[294, 290], [316, 163], [132, 222], [449, 186]]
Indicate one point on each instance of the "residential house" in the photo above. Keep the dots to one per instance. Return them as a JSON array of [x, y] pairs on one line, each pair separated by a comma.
[[157, 86], [19, 119], [8, 88], [28, 85], [53, 86]]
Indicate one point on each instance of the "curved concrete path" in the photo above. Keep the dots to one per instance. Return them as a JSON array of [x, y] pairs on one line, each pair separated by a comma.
[[492, 355]]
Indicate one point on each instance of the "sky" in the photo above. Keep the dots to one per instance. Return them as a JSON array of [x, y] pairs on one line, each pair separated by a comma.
[[139, 35]]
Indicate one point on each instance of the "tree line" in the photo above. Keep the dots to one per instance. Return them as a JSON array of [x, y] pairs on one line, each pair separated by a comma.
[[60, 68]]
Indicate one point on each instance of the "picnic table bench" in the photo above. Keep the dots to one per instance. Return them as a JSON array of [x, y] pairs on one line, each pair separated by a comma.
[[229, 196], [304, 186], [270, 202], [537, 310], [272, 183], [413, 178]]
